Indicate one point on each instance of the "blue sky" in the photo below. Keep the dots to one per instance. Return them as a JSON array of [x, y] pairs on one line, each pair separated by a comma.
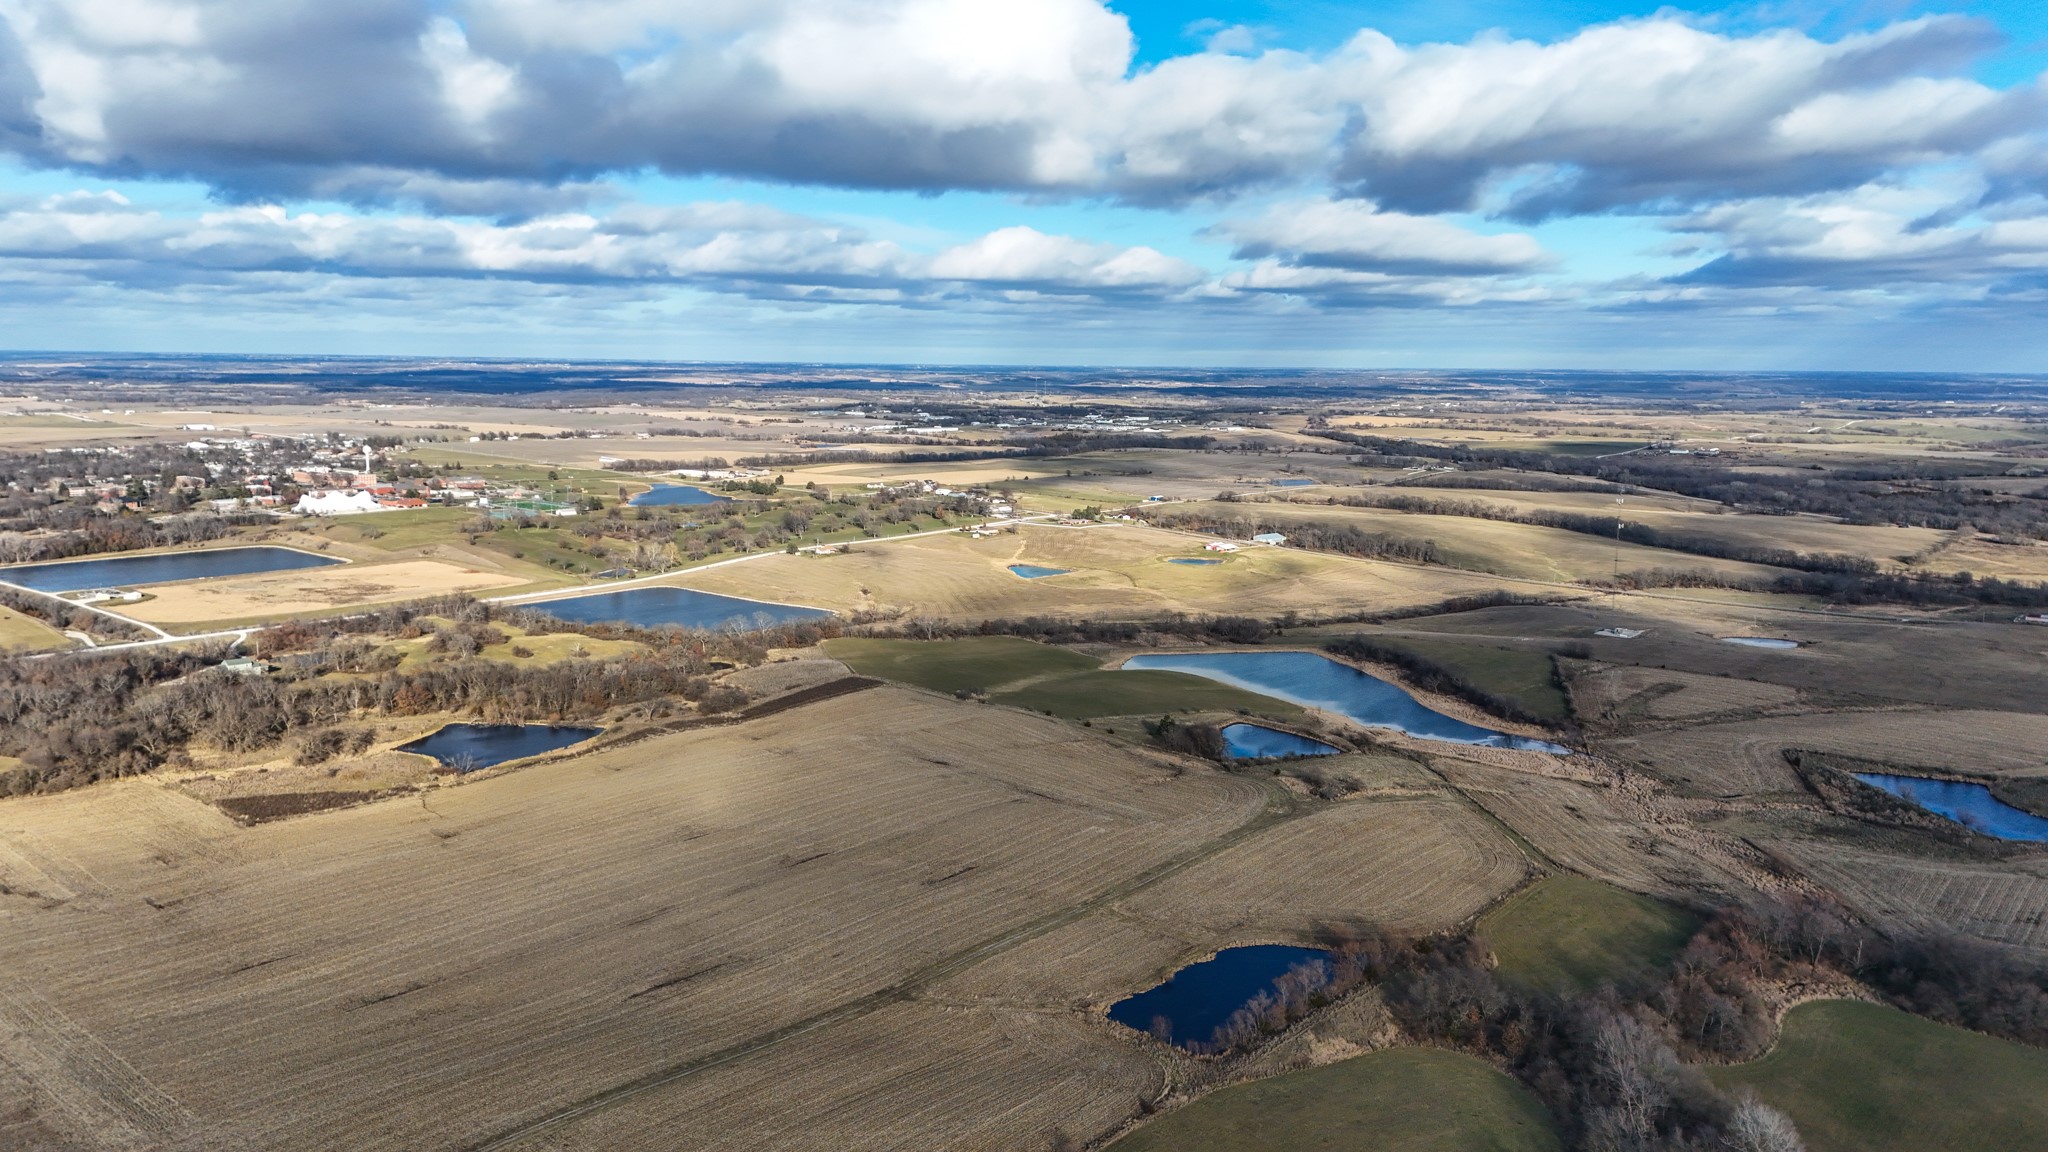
[[1443, 184]]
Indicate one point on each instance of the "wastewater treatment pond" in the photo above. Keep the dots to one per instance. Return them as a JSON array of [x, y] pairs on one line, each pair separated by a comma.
[[1316, 681], [666, 495], [665, 607], [468, 747], [1258, 742], [161, 568], [1196, 1000], [1971, 805]]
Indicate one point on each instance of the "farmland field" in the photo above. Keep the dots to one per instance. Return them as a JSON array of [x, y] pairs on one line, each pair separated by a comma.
[[1864, 1078], [1570, 934], [974, 662], [310, 590], [610, 916], [1399, 1100]]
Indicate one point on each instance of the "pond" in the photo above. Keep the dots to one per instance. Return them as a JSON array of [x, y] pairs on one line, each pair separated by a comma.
[[1196, 1000], [1316, 681], [1034, 571], [159, 568], [667, 494], [1258, 742], [1292, 483], [663, 606], [468, 747], [1759, 642], [1192, 560], [1971, 805]]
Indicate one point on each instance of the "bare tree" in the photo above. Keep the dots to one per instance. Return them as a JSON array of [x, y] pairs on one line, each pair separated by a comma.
[[1757, 1127]]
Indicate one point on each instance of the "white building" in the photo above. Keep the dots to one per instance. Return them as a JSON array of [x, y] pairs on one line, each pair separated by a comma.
[[336, 504]]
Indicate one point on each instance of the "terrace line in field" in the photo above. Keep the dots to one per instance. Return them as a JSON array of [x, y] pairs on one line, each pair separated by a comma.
[[666, 607], [160, 568], [1316, 681], [1971, 805], [1196, 1000], [468, 747]]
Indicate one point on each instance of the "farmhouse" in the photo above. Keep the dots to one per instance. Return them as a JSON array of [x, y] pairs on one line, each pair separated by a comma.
[[1220, 546]]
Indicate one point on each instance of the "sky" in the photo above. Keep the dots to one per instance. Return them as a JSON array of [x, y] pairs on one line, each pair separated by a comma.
[[1794, 184]]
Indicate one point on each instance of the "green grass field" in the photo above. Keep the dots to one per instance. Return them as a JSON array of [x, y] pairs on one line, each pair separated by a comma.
[[972, 662], [1520, 674], [1140, 692], [1570, 934], [1866, 1078], [1399, 1100]]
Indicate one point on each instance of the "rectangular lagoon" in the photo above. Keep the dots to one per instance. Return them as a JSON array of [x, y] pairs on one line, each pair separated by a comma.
[[664, 495], [666, 607], [160, 568]]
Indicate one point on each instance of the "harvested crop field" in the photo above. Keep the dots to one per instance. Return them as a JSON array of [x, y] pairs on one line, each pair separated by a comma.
[[1113, 570], [310, 590], [1747, 758], [2004, 902], [1590, 828], [430, 970], [910, 1077], [1422, 863]]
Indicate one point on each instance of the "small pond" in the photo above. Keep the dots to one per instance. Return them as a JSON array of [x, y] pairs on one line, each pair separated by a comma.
[[1316, 681], [1192, 560], [1759, 642], [662, 606], [1034, 571], [161, 568], [468, 747], [1258, 742], [1971, 805], [1292, 483], [665, 494], [1196, 1000]]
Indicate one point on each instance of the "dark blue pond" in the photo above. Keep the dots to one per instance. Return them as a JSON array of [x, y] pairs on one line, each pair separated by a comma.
[[1971, 805], [1191, 560], [665, 494], [662, 606], [1200, 997], [162, 568], [468, 747], [1034, 571], [1316, 681], [1258, 742]]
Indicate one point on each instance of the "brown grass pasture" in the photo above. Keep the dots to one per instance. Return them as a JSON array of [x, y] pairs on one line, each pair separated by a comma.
[[1499, 547], [426, 971], [311, 590], [1621, 696], [1113, 570], [19, 633]]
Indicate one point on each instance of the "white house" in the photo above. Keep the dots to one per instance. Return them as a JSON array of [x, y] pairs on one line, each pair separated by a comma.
[[1220, 546], [1273, 538]]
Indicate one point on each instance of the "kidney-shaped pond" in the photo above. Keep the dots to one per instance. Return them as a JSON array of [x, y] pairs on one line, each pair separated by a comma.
[[468, 747], [1316, 681], [1195, 1001], [1258, 742], [160, 568], [1971, 805], [663, 607], [1037, 571]]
